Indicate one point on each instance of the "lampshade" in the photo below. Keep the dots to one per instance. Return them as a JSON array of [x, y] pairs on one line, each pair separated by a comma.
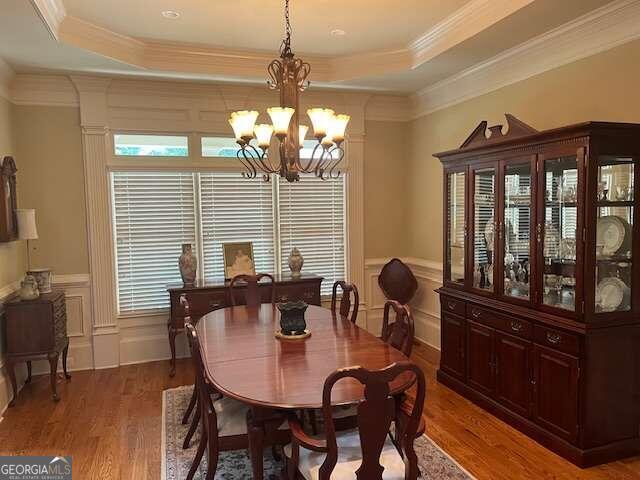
[[242, 123], [280, 117], [27, 224], [320, 119], [263, 132], [337, 127]]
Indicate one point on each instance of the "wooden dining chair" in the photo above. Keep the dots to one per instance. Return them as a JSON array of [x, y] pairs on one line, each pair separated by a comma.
[[367, 452], [253, 297], [401, 333], [348, 289]]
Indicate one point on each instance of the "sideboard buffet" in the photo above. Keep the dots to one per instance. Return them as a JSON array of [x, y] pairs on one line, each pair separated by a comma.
[[540, 302]]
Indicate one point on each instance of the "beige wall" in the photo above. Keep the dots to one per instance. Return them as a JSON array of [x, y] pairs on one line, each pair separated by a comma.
[[48, 143], [601, 87], [12, 255], [385, 158]]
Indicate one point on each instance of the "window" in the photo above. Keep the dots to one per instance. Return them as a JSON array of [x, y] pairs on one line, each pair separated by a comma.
[[312, 219], [156, 212], [153, 217], [151, 145], [235, 209], [219, 147]]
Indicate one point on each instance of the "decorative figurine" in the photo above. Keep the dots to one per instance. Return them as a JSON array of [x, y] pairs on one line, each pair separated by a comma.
[[43, 277], [188, 264], [29, 288], [296, 260]]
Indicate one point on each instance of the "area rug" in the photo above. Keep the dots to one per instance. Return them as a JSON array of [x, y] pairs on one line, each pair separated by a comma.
[[435, 463]]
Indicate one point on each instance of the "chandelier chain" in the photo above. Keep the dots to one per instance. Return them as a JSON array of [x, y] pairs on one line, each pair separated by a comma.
[[286, 43]]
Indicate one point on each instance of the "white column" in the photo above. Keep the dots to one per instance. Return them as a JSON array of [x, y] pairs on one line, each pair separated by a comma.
[[96, 142]]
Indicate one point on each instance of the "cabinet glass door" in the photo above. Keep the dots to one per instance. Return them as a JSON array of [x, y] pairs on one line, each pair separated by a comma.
[[516, 230], [456, 227], [614, 234], [560, 227], [484, 228]]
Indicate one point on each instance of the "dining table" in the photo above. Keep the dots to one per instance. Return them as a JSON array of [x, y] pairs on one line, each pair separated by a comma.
[[244, 360]]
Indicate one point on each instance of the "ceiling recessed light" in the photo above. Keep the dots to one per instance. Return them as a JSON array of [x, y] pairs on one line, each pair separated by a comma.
[[170, 14], [338, 32]]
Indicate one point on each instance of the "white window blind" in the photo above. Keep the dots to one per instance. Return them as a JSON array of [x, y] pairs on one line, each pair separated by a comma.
[[235, 209], [153, 217], [312, 218]]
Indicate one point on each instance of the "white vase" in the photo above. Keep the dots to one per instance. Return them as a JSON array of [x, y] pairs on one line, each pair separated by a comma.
[[296, 260], [188, 264]]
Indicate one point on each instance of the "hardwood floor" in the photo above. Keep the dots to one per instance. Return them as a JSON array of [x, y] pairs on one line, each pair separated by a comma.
[[109, 421]]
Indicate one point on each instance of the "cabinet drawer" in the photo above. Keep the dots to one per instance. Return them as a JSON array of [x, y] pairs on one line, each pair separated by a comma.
[[512, 325], [563, 341], [201, 303], [453, 305]]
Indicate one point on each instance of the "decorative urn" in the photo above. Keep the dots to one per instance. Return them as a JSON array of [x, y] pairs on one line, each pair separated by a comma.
[[188, 264], [296, 260], [29, 288], [292, 320]]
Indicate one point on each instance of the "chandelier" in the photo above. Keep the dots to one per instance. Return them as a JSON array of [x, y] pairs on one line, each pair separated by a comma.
[[289, 76]]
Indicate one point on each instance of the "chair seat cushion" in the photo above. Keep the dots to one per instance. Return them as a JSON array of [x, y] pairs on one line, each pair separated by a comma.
[[232, 417], [349, 459]]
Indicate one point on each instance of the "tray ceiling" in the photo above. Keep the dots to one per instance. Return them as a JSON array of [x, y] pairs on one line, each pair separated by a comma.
[[394, 46]]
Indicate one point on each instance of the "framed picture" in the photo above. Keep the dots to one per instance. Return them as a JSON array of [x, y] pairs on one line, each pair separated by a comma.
[[238, 259]]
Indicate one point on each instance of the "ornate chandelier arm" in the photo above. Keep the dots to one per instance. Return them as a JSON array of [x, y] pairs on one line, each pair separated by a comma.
[[333, 173], [259, 159], [247, 163]]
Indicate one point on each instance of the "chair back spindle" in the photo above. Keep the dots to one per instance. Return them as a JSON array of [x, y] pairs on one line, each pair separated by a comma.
[[401, 333], [348, 289], [375, 415], [253, 296]]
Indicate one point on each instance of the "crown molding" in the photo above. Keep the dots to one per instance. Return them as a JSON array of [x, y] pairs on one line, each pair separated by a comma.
[[602, 29], [6, 76], [469, 20], [234, 64], [52, 13]]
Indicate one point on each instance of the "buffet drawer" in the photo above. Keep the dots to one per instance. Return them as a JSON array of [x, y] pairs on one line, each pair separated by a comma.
[[452, 305], [563, 341], [512, 325]]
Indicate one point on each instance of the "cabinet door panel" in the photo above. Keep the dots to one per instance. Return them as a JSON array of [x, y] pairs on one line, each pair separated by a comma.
[[556, 392], [480, 365], [513, 373], [453, 346]]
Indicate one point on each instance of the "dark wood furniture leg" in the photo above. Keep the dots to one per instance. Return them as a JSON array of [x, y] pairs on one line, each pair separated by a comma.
[[255, 431], [172, 345], [53, 364], [28, 380], [192, 403], [12, 376], [65, 352], [194, 425]]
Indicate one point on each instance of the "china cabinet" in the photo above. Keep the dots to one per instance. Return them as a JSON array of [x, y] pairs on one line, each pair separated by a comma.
[[540, 301]]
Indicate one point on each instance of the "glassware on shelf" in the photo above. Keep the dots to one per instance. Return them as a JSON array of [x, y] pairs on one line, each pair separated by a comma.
[[456, 228], [614, 235], [517, 230], [560, 232], [485, 228]]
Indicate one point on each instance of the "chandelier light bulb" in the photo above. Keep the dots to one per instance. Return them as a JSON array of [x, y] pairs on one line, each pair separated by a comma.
[[280, 117], [320, 119], [337, 127], [263, 134], [303, 129], [242, 123]]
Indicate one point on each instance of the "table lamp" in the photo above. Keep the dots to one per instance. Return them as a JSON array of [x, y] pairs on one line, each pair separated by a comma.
[[27, 229]]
